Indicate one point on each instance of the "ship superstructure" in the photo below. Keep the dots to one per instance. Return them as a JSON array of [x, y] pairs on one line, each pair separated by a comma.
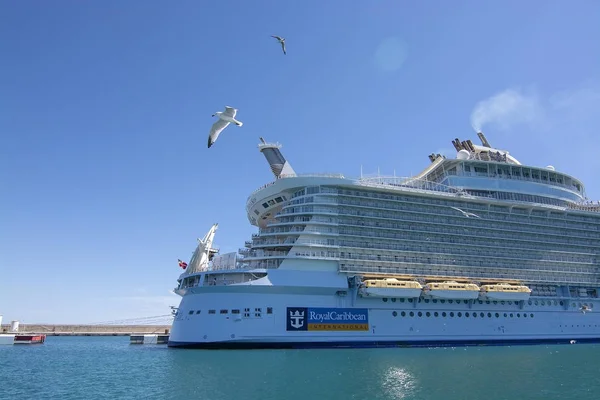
[[475, 249]]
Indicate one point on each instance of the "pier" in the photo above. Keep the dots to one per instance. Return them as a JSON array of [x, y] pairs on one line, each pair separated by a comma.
[[87, 330]]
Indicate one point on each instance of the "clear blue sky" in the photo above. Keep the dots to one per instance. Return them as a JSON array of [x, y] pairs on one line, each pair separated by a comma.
[[105, 106]]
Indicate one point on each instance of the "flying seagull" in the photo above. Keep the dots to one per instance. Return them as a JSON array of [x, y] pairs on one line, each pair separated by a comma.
[[225, 118], [282, 41], [466, 213]]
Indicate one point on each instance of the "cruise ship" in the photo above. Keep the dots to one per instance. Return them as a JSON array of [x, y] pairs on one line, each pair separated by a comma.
[[476, 249]]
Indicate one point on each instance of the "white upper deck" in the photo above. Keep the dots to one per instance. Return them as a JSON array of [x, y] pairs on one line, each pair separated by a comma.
[[481, 173]]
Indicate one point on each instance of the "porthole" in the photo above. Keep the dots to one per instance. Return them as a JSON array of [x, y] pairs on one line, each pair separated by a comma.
[[385, 299], [524, 315], [530, 315], [489, 315], [467, 314], [393, 300], [410, 300], [502, 302], [450, 301], [412, 314], [536, 303], [480, 302], [451, 314], [474, 315], [518, 315], [443, 314], [505, 315], [543, 302], [511, 315], [442, 301], [434, 301], [497, 315], [459, 314], [562, 303], [401, 300], [420, 314], [487, 302], [481, 315], [530, 302], [428, 314], [426, 300], [403, 313], [394, 313], [495, 302]]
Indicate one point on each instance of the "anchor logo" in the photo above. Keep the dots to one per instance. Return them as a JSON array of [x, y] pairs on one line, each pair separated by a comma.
[[296, 319]]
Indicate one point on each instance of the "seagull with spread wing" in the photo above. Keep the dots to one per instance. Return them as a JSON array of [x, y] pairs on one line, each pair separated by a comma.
[[466, 213], [225, 118], [281, 41]]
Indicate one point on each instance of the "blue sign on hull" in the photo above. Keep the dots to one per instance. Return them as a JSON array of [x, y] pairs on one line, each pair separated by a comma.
[[327, 319]]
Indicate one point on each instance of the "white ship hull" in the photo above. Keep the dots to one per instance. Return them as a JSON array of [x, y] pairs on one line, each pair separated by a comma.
[[391, 292], [279, 316]]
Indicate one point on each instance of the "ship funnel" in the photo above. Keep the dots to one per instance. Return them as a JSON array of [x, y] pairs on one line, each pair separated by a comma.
[[279, 165], [483, 139]]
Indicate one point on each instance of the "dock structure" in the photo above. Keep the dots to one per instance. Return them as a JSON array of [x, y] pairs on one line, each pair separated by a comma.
[[88, 330]]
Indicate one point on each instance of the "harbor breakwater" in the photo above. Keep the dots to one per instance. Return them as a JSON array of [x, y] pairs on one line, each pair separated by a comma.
[[88, 330]]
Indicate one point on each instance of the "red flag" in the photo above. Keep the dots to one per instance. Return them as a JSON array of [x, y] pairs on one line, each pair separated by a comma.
[[182, 264]]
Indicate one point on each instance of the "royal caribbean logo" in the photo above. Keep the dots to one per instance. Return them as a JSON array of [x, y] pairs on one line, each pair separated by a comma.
[[327, 319]]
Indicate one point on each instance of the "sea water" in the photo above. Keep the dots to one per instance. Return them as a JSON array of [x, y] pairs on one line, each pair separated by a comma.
[[111, 368]]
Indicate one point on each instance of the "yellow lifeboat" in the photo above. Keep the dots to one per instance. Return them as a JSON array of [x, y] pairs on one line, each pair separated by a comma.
[[390, 287], [452, 290], [506, 291]]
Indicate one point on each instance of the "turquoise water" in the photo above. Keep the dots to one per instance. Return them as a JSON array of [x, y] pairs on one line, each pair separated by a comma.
[[111, 368]]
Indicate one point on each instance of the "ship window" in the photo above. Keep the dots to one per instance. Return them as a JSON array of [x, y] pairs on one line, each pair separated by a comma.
[[403, 314], [489, 315], [211, 311], [524, 315], [256, 212], [401, 300], [451, 314], [393, 300], [384, 299], [191, 312], [394, 313], [265, 205], [278, 199], [235, 311], [530, 315], [474, 315], [435, 300], [435, 314], [412, 314], [442, 301], [529, 302], [511, 315], [459, 314], [198, 312], [443, 314], [450, 301], [518, 315], [428, 314], [269, 310], [467, 315], [223, 311], [505, 315], [257, 310], [420, 314], [497, 315]]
